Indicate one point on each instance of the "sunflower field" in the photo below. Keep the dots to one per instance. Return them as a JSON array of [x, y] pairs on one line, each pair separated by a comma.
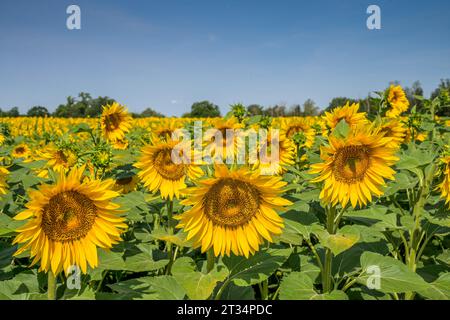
[[356, 207]]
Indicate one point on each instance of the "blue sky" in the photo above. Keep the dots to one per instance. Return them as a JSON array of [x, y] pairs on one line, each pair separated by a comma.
[[168, 54]]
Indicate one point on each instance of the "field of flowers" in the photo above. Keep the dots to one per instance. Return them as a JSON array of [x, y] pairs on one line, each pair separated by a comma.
[[357, 207]]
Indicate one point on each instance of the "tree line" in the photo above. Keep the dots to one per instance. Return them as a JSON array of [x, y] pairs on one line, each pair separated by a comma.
[[84, 106]]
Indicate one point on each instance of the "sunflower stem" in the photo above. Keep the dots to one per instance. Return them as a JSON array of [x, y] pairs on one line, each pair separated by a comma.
[[265, 290], [170, 231], [51, 286], [326, 273], [416, 233], [210, 260]]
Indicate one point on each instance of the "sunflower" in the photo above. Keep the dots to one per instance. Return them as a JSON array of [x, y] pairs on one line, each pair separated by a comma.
[[159, 172], [394, 129], [444, 186], [68, 221], [286, 156], [164, 128], [233, 212], [231, 142], [21, 151], [414, 135], [126, 184], [397, 100], [349, 113], [3, 185], [115, 122], [355, 167], [2, 139], [59, 159], [290, 126], [120, 144]]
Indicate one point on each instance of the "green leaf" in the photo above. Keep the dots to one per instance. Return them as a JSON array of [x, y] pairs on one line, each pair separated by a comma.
[[308, 196], [303, 223], [85, 293], [394, 276], [110, 260], [348, 261], [402, 181], [233, 292], [178, 239], [21, 287], [135, 204], [144, 257], [257, 268], [414, 158], [81, 127], [341, 130], [289, 236], [254, 119], [298, 286], [198, 285], [6, 252], [147, 288], [135, 258], [439, 289], [8, 226], [369, 215], [343, 240]]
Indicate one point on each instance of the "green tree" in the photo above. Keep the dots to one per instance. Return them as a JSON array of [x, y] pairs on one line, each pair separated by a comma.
[[310, 108], [295, 111], [38, 111], [443, 92], [275, 111], [83, 106], [149, 112], [96, 106], [255, 109], [444, 85], [339, 102], [13, 112], [411, 92], [203, 109]]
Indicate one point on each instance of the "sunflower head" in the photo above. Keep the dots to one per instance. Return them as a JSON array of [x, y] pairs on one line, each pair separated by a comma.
[[126, 184], [349, 113], [233, 212], [120, 144], [397, 100], [159, 171], [115, 121], [21, 151], [3, 185], [274, 162], [393, 128], [232, 138], [354, 167], [2, 139], [444, 186], [295, 126], [59, 158], [68, 220], [164, 128]]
